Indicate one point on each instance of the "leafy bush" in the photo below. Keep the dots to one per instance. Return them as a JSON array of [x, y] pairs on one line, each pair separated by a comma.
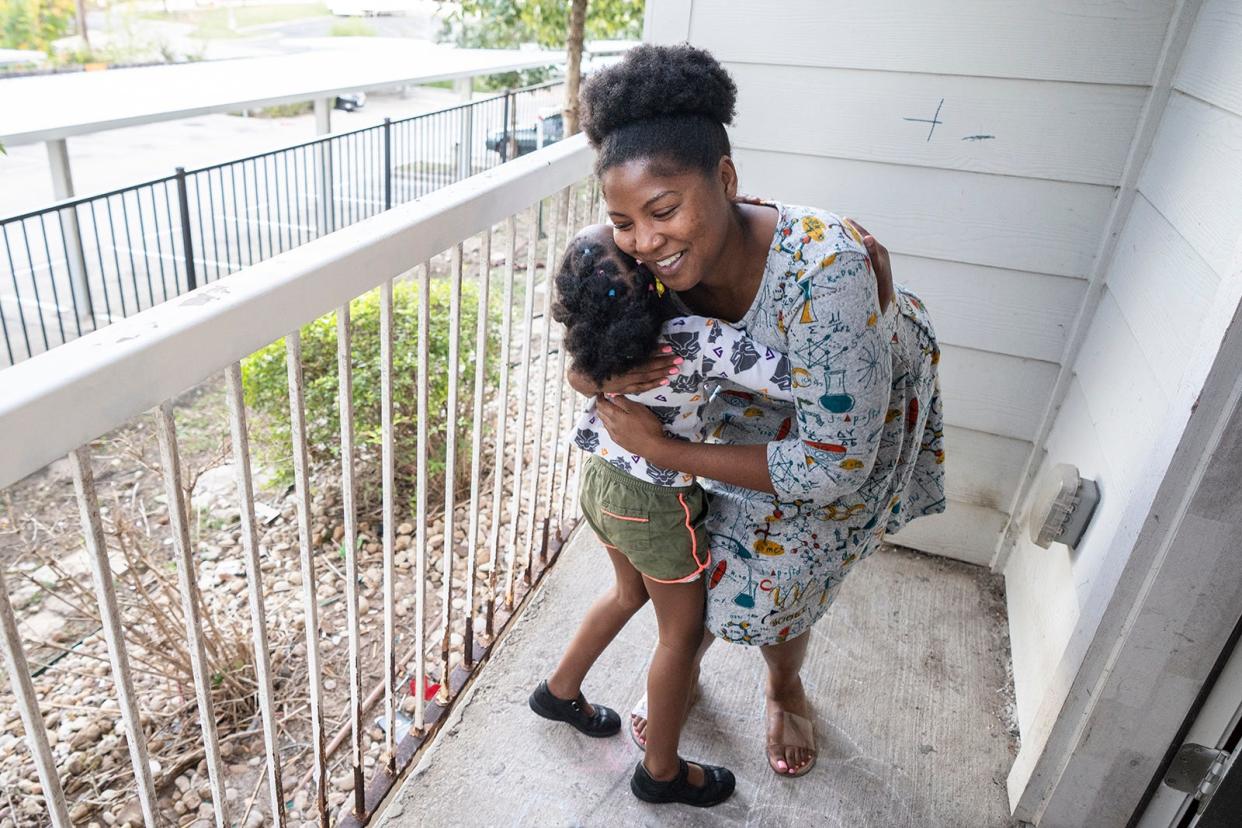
[[265, 382], [34, 24]]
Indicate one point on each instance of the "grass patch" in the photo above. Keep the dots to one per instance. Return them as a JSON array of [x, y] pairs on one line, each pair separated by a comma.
[[351, 28], [214, 23]]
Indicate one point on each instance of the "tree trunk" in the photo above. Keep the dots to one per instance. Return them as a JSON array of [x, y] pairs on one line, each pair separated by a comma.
[[81, 7], [573, 71]]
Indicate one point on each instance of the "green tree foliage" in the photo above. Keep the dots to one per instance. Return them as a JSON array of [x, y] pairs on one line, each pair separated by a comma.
[[266, 387], [34, 24], [498, 24], [506, 24]]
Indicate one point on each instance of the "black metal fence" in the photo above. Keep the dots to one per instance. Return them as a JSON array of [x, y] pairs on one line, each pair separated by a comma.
[[80, 264]]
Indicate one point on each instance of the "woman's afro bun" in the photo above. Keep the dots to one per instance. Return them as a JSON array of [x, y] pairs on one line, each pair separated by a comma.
[[671, 102], [651, 81]]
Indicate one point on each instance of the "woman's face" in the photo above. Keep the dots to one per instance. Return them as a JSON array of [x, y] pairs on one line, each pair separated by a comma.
[[675, 223]]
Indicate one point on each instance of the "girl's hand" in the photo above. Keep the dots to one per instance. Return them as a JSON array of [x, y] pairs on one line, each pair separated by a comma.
[[654, 373], [879, 261], [631, 425]]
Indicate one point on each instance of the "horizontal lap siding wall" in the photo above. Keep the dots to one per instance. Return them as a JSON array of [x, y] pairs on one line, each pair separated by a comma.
[[994, 219], [1175, 256]]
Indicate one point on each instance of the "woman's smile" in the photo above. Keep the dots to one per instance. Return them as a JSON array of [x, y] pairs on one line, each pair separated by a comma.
[[668, 267]]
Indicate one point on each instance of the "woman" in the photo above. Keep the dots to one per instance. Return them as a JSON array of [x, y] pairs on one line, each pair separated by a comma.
[[801, 492]]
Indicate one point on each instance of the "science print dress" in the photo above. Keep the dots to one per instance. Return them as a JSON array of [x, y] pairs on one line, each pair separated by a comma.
[[859, 452]]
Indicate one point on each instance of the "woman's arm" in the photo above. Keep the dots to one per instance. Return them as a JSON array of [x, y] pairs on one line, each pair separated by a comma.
[[839, 355], [878, 254], [638, 430], [840, 360]]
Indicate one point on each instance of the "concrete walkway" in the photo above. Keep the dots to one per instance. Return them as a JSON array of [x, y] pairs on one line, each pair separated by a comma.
[[906, 672]]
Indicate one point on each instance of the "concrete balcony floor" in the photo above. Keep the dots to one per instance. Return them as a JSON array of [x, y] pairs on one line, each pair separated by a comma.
[[907, 673]]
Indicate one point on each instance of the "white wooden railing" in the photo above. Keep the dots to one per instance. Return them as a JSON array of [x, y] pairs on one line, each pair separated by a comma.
[[54, 405]]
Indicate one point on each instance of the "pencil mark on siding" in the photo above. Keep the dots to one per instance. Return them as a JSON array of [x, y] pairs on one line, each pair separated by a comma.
[[934, 120]]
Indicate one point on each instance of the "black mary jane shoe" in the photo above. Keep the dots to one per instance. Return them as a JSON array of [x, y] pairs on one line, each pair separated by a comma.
[[718, 785], [605, 722]]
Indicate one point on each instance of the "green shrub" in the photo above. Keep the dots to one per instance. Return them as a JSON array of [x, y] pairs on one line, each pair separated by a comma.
[[286, 110], [265, 382], [34, 24]]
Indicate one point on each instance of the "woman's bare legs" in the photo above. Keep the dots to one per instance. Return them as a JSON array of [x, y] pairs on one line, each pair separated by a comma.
[[679, 615], [785, 695], [601, 624], [639, 723]]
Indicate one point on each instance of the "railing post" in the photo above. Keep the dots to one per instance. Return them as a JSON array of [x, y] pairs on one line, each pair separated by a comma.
[[187, 240], [388, 163], [28, 708]]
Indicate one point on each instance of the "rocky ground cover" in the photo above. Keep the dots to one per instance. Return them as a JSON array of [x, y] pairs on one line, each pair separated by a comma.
[[48, 573]]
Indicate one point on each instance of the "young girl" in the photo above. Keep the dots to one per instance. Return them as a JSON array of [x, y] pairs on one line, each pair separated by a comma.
[[649, 519]]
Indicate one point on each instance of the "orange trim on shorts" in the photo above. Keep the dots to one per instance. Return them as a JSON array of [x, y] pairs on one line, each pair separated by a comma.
[[694, 550], [626, 517]]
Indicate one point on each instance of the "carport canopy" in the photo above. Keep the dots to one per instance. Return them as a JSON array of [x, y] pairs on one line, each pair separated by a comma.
[[51, 108]]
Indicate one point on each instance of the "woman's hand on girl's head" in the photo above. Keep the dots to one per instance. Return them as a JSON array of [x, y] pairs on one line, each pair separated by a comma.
[[879, 261], [652, 374], [630, 424]]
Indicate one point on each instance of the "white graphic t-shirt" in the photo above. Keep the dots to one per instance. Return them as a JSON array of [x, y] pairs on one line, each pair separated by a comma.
[[712, 351]]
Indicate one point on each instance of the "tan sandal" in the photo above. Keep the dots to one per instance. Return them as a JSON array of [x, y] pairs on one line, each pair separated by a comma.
[[796, 732]]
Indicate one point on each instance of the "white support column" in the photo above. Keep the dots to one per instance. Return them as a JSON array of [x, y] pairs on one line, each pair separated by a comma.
[[323, 115], [464, 87], [62, 188], [325, 198]]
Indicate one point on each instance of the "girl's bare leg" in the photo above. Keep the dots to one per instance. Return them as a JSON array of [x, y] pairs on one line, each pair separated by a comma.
[[679, 614], [639, 723], [601, 624]]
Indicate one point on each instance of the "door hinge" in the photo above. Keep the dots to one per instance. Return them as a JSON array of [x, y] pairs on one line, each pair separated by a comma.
[[1196, 770]]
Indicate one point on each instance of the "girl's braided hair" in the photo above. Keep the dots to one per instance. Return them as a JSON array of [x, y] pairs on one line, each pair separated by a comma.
[[609, 305]]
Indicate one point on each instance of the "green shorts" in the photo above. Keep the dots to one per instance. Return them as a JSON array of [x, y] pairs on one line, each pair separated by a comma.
[[660, 529]]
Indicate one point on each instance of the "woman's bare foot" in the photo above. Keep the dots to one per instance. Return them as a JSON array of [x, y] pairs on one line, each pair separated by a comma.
[[790, 734], [638, 721]]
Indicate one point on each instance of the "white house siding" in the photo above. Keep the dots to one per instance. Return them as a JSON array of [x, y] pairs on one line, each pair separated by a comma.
[[994, 220], [1143, 361]]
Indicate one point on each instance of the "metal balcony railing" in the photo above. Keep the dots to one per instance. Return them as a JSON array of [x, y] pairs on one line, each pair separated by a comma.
[[56, 403], [78, 265]]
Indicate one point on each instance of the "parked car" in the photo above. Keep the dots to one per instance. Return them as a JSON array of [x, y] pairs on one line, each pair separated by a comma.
[[351, 102], [526, 138]]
